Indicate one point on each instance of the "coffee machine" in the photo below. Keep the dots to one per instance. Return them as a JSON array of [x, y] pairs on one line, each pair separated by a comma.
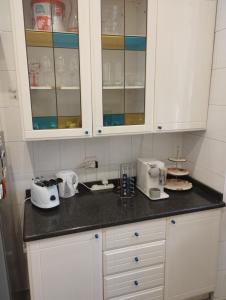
[[151, 178]]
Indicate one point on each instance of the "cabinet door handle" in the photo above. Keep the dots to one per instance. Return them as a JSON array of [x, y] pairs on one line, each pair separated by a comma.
[[86, 132], [136, 259], [136, 234], [96, 236], [173, 222], [136, 282], [99, 131]]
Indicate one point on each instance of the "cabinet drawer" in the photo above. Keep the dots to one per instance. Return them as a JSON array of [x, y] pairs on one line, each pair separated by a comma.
[[133, 234], [125, 259], [153, 294], [133, 281]]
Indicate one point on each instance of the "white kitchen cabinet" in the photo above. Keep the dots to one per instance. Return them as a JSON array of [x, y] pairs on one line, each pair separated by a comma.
[[68, 267], [191, 254], [185, 34], [53, 67], [123, 39], [171, 258], [122, 67], [134, 261]]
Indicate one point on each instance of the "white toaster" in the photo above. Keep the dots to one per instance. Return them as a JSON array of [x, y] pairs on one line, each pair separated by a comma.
[[44, 194]]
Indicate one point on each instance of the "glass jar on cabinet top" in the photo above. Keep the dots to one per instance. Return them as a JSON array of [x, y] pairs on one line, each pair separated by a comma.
[[123, 37], [52, 42]]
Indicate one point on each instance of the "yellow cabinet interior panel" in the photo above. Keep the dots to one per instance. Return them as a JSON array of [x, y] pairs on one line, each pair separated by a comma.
[[39, 39], [113, 42], [134, 119], [69, 122]]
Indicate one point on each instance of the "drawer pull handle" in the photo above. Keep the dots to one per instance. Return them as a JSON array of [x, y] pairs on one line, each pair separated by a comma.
[[136, 282], [96, 236], [136, 234], [173, 221], [136, 259]]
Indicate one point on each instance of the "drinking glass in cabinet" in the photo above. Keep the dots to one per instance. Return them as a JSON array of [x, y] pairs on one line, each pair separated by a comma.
[[60, 71], [41, 67], [67, 68], [46, 69], [113, 68], [135, 62], [34, 69], [112, 17], [124, 29], [51, 32]]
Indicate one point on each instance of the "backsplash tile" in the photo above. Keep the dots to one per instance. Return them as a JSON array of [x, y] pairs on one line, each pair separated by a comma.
[[206, 153], [72, 153], [219, 60], [20, 158], [46, 156], [218, 87], [11, 123], [221, 286], [216, 125], [221, 15], [98, 148]]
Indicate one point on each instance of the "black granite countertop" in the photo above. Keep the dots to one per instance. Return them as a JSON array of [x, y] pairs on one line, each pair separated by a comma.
[[95, 210]]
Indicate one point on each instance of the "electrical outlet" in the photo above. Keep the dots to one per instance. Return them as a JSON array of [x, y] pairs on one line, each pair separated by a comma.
[[89, 162]]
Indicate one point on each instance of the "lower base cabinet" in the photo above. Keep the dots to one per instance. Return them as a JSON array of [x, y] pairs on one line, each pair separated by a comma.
[[66, 268], [191, 254], [165, 259]]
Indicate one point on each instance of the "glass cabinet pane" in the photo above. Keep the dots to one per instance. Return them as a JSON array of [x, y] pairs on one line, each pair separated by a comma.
[[52, 40], [124, 27]]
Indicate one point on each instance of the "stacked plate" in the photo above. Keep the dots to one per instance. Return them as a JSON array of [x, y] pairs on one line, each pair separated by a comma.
[[178, 183]]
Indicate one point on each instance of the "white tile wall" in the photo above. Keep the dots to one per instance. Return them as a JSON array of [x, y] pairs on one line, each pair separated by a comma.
[[7, 61], [5, 20], [219, 60], [8, 89], [207, 151], [218, 87], [221, 286], [221, 15]]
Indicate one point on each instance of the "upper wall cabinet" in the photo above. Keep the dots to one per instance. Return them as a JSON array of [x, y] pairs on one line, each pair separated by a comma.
[[110, 67], [185, 34], [54, 68], [123, 37]]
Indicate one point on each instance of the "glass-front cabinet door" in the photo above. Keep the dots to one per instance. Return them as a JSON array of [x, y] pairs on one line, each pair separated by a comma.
[[123, 62], [55, 67]]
